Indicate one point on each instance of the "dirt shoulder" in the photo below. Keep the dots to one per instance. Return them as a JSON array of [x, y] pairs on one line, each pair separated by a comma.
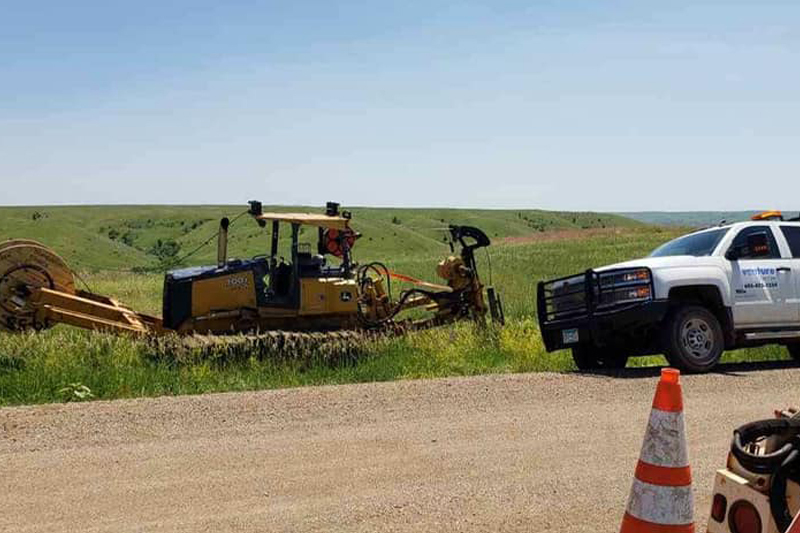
[[544, 452]]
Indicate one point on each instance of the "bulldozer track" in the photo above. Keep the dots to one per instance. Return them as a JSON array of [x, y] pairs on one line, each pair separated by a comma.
[[334, 346]]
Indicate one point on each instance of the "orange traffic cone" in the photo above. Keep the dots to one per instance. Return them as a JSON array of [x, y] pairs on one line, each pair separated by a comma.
[[661, 496]]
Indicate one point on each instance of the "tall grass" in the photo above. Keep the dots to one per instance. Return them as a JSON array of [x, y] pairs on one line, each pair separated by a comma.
[[37, 368], [52, 365]]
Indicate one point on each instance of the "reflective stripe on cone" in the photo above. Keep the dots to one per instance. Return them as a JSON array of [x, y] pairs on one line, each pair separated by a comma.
[[657, 504], [663, 430]]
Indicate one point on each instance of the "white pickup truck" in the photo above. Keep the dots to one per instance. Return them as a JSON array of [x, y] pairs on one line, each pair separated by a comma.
[[722, 288]]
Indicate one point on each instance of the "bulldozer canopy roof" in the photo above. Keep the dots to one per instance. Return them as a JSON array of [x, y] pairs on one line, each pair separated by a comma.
[[308, 219]]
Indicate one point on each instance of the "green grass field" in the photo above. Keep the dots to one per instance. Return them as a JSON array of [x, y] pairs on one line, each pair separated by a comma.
[[106, 243]]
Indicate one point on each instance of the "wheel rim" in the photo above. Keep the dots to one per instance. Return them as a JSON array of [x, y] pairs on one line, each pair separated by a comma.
[[697, 340]]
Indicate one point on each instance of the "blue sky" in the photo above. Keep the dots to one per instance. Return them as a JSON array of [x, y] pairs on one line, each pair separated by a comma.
[[560, 105]]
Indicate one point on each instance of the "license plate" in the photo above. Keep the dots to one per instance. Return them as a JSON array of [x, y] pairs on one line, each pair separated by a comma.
[[570, 336]]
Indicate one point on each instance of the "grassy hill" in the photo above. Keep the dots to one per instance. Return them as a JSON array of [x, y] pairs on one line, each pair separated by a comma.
[[109, 237], [689, 218]]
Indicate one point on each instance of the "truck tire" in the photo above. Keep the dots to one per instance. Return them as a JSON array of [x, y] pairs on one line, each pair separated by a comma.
[[693, 339], [614, 360], [588, 357], [585, 357], [794, 351]]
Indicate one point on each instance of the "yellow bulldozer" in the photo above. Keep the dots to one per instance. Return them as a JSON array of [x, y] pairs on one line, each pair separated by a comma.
[[315, 289]]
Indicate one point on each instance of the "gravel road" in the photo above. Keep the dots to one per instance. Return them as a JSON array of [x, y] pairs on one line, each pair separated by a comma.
[[536, 452]]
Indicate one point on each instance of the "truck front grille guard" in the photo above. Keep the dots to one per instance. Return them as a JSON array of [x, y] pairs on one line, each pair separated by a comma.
[[592, 295]]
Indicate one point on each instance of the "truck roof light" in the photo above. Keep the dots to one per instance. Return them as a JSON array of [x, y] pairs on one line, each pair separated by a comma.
[[768, 215]]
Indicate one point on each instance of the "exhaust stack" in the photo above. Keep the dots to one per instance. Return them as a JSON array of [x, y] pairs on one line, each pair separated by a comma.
[[222, 243]]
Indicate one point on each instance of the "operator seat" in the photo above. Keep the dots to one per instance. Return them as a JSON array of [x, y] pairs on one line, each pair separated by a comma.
[[310, 265], [282, 279]]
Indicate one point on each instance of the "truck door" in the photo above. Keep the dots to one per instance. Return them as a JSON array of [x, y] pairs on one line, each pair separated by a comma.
[[792, 235], [763, 283]]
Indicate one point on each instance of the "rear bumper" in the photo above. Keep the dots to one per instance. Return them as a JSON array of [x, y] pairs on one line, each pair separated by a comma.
[[735, 488], [607, 328]]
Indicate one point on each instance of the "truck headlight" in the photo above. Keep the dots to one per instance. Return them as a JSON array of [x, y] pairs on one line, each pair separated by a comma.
[[636, 275], [625, 295], [623, 277], [640, 293], [624, 286]]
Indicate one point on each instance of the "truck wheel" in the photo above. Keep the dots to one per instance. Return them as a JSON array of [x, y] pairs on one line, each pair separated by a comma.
[[589, 357], [614, 360], [694, 340], [794, 351], [585, 357]]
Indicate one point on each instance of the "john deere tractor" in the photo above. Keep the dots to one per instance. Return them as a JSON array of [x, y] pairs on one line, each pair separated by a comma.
[[316, 288]]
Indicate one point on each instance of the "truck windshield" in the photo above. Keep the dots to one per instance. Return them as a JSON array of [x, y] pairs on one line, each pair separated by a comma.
[[697, 244]]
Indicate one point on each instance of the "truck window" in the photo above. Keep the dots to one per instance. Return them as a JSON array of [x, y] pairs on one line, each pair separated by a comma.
[[741, 240], [696, 244], [792, 234]]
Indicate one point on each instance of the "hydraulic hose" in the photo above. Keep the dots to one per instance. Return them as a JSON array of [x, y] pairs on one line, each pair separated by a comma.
[[405, 295], [375, 266], [749, 433], [777, 491]]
